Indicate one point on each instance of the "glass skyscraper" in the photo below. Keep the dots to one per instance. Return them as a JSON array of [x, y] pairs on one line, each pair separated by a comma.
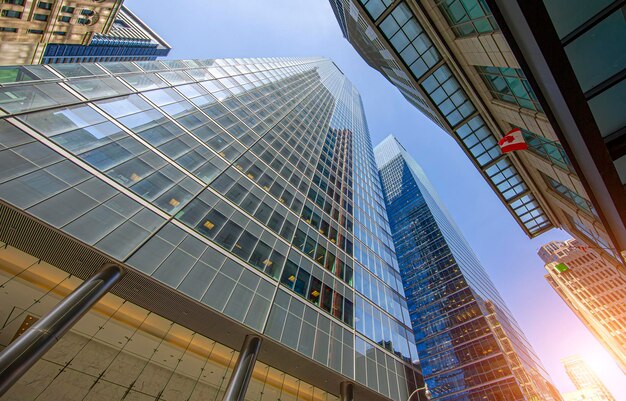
[[239, 196], [469, 345]]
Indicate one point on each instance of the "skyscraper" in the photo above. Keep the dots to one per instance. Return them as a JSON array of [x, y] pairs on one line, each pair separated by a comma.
[[27, 27], [585, 379], [479, 75], [593, 289], [229, 201], [129, 39], [469, 345]]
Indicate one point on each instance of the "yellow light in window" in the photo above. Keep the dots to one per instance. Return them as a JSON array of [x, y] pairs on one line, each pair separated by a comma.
[[265, 187], [250, 176], [281, 200], [222, 154], [292, 278], [315, 293], [239, 167], [268, 262], [237, 246], [209, 224], [135, 177], [174, 202]]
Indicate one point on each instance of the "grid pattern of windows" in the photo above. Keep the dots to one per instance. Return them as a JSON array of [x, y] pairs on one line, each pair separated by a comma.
[[235, 182], [549, 150], [451, 100], [468, 17], [591, 235], [376, 7], [460, 345], [510, 85], [410, 41], [455, 111], [570, 196], [69, 53]]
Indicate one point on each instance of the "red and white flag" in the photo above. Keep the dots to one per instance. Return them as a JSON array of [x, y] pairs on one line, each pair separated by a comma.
[[513, 140]]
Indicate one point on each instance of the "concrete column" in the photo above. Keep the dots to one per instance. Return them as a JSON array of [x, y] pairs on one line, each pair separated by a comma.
[[346, 391], [21, 354], [238, 384]]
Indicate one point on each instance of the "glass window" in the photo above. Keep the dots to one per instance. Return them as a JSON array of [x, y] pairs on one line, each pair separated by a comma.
[[375, 7], [509, 85], [608, 109], [77, 70], [12, 14], [599, 53], [571, 196], [445, 91], [410, 41], [14, 99], [568, 15], [468, 17], [549, 150], [93, 88]]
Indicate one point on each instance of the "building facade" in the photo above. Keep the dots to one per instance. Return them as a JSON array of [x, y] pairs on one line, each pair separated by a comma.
[[593, 289], [129, 39], [452, 60], [469, 345], [27, 26], [585, 379], [582, 395], [239, 196]]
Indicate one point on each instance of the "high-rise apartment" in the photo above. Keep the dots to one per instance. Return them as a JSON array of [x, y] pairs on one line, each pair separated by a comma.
[[593, 289], [477, 75], [469, 345], [585, 379], [230, 201], [27, 27], [129, 39]]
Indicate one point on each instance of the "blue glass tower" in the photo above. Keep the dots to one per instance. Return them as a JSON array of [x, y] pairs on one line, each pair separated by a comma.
[[469, 345]]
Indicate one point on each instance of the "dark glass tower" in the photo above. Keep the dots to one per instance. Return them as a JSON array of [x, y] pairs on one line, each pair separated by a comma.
[[469, 345], [241, 197]]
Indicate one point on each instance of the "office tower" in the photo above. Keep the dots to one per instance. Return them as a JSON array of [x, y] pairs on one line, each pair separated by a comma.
[[129, 39], [593, 289], [239, 196], [469, 345], [27, 27], [584, 378], [456, 62]]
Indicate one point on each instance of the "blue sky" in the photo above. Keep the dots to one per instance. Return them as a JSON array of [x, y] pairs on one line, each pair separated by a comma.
[[254, 28]]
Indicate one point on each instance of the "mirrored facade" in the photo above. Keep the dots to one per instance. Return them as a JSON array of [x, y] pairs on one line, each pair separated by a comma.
[[469, 345], [243, 189]]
